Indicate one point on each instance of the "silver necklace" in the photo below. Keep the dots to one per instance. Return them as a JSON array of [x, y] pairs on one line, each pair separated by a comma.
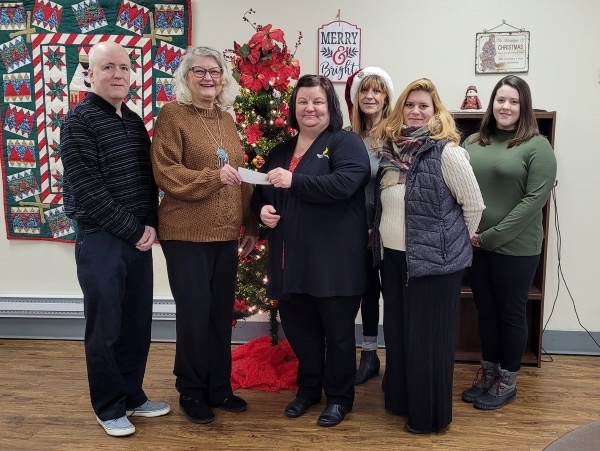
[[222, 155]]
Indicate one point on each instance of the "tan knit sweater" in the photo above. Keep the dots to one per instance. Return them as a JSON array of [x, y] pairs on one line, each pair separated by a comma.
[[197, 206]]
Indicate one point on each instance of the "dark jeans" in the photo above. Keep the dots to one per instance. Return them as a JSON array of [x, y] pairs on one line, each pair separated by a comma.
[[202, 278], [500, 285], [117, 282], [321, 334]]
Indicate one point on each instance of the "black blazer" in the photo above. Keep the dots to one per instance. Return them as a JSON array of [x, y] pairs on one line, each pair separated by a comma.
[[323, 223]]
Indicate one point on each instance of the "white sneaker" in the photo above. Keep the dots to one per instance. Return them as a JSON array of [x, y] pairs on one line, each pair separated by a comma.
[[119, 427], [150, 409]]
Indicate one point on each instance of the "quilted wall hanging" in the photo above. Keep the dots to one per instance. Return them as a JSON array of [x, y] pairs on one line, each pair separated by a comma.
[[44, 48]]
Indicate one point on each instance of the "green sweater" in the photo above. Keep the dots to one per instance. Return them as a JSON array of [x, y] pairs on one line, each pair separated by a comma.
[[515, 184]]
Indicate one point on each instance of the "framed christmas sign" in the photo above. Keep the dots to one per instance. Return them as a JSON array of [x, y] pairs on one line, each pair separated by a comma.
[[502, 51], [339, 50]]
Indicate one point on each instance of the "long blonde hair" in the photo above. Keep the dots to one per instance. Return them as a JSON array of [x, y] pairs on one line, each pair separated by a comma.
[[358, 121], [441, 125]]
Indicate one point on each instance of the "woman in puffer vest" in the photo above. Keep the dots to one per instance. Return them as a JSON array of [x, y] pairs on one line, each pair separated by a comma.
[[428, 206]]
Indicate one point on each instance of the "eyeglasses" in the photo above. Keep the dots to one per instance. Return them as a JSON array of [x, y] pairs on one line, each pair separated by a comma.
[[201, 73]]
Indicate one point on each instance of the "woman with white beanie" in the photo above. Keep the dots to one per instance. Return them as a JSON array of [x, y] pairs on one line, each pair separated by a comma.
[[369, 96]]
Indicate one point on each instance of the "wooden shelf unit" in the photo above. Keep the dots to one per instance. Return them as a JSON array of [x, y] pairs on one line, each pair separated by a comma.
[[468, 346]]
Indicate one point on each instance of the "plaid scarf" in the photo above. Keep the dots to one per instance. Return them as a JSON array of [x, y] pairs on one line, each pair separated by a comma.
[[397, 155]]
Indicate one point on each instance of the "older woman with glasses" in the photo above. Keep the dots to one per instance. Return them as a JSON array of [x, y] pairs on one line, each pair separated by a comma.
[[195, 153]]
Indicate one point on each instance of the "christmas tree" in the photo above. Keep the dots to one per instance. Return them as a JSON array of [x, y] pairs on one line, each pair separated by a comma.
[[264, 68]]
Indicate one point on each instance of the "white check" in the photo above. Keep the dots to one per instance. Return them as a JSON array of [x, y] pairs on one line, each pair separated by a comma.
[[254, 177]]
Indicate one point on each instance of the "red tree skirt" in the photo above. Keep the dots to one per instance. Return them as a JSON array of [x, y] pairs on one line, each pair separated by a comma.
[[261, 366]]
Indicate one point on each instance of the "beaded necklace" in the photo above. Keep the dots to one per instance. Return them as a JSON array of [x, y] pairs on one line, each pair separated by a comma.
[[222, 156]]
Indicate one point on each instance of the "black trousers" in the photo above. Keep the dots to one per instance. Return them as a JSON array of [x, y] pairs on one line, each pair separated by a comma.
[[369, 306], [321, 333], [420, 318], [202, 278], [500, 285], [117, 282]]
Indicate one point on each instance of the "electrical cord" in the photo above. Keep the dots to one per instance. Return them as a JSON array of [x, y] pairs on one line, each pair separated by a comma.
[[560, 277]]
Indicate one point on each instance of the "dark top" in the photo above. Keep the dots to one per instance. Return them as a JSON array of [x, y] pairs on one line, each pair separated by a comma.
[[323, 218], [108, 181]]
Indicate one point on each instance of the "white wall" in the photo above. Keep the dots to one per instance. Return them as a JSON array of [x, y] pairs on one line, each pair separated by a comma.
[[434, 39]]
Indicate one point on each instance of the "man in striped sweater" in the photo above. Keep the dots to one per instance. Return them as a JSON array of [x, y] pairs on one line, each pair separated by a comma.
[[110, 192]]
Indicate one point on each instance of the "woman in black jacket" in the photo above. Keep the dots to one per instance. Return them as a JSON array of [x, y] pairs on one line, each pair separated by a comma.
[[315, 208]]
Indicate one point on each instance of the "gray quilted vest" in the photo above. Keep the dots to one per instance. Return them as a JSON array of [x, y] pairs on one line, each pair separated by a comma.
[[437, 239]]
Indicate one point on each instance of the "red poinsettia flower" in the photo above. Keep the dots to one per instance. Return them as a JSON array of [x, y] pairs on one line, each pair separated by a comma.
[[240, 306], [264, 63], [281, 83], [266, 76], [265, 36], [253, 134], [278, 55], [252, 81], [244, 66], [254, 55]]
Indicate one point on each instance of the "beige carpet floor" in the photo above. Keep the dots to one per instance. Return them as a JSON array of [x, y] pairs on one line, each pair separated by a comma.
[[585, 438]]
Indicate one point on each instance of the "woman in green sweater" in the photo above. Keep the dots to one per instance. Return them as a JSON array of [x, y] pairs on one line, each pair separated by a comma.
[[516, 169]]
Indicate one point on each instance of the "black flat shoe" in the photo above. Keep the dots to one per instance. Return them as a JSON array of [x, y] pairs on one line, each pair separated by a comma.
[[333, 415], [196, 410], [411, 429], [298, 407], [232, 403]]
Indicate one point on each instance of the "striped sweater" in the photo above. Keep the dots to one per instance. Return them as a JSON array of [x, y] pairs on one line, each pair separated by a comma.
[[108, 182]]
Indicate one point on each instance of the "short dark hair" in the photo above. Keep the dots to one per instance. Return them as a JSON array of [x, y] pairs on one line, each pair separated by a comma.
[[336, 119], [527, 126]]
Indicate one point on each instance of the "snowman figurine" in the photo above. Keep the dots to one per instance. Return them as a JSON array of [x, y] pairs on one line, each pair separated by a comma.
[[471, 101]]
